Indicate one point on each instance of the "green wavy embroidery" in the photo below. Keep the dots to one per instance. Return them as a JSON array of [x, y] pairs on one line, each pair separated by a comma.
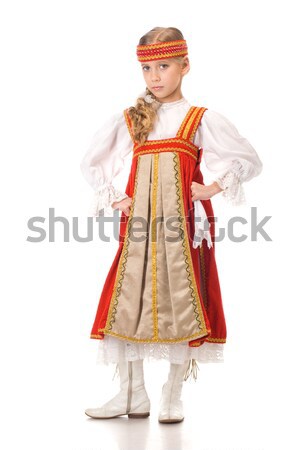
[[203, 271], [124, 254], [182, 235]]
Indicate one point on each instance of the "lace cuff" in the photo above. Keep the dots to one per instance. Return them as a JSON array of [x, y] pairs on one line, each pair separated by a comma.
[[231, 184], [201, 226], [103, 199]]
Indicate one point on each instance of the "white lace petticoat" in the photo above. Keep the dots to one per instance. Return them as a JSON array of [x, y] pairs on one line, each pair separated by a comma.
[[111, 350]]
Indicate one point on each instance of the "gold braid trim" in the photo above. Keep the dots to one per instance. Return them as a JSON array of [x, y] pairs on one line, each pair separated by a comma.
[[121, 267], [184, 122], [164, 150], [97, 336], [202, 267], [201, 111], [161, 341], [208, 340], [161, 44], [220, 340], [128, 124], [186, 250], [189, 123], [162, 50], [162, 55], [153, 247], [176, 140]]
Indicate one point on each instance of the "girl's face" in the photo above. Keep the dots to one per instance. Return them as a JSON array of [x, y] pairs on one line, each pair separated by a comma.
[[163, 78]]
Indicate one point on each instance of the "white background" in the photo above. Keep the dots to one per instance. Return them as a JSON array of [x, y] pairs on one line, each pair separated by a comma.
[[66, 67]]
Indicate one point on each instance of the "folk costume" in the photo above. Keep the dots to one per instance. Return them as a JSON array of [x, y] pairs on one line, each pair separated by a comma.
[[161, 297]]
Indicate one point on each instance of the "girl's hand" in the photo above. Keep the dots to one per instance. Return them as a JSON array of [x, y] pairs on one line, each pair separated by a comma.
[[123, 205], [201, 192]]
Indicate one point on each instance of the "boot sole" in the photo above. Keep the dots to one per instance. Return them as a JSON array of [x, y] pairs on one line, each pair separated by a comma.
[[170, 420], [130, 416], [138, 415]]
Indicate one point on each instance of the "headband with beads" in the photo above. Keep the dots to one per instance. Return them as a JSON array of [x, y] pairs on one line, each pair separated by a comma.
[[161, 50]]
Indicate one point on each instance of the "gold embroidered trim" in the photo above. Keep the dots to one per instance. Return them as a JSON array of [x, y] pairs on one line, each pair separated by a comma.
[[186, 250], [208, 340], [203, 271], [128, 124], [154, 151], [196, 124], [161, 45], [221, 340], [129, 338], [185, 120], [96, 336], [167, 141], [163, 55], [121, 267], [189, 124], [153, 246]]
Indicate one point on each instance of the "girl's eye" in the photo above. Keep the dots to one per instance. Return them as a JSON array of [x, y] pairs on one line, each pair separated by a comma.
[[146, 68]]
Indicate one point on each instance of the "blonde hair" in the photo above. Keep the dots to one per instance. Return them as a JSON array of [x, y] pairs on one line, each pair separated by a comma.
[[143, 114]]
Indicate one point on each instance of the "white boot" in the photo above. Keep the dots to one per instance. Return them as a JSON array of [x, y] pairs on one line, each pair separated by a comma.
[[132, 400], [171, 408]]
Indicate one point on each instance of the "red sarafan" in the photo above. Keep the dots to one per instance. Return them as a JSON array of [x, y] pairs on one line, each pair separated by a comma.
[[161, 289], [161, 297]]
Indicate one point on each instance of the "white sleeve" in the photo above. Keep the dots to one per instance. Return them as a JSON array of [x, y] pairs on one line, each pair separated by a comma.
[[227, 154], [104, 160]]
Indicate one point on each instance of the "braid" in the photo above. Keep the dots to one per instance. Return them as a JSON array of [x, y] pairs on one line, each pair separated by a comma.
[[143, 116]]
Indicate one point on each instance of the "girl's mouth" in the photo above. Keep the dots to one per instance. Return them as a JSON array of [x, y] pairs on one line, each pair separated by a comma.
[[157, 88]]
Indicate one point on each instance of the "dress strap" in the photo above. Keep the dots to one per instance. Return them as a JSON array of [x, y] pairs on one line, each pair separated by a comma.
[[190, 123], [129, 124], [187, 128]]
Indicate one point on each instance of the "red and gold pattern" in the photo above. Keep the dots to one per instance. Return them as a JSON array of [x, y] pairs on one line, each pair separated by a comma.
[[201, 260], [161, 50]]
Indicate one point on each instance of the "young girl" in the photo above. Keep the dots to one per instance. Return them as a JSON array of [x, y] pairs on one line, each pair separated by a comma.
[[161, 297]]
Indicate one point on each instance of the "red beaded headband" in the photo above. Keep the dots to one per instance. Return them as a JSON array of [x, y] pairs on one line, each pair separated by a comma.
[[161, 50]]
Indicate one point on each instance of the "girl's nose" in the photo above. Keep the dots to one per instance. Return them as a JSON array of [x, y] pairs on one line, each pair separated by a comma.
[[155, 76]]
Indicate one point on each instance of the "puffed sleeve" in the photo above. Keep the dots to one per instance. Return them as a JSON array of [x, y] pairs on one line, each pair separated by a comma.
[[104, 160], [227, 155]]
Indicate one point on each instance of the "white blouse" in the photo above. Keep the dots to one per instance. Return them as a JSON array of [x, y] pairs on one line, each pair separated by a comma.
[[227, 155]]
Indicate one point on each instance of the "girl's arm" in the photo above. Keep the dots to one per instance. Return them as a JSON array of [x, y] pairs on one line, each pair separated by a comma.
[[104, 160], [228, 155]]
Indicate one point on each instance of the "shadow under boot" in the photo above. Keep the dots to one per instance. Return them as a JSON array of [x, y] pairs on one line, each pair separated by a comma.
[[132, 399], [171, 407]]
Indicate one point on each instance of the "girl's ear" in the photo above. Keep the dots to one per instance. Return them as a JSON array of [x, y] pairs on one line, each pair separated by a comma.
[[185, 65]]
